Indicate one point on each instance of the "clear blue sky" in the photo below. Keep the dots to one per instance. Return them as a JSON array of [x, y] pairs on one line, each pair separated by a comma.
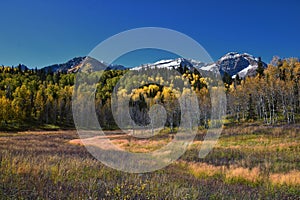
[[39, 33]]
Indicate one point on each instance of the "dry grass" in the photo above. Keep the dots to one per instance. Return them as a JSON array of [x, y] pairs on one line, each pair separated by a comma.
[[235, 173], [290, 178], [44, 165], [127, 142], [202, 170], [251, 175]]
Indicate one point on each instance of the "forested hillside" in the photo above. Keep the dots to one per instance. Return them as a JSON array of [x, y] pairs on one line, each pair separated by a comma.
[[35, 98], [272, 96]]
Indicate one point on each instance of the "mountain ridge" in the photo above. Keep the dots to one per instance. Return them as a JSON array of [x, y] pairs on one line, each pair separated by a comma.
[[235, 63], [232, 63]]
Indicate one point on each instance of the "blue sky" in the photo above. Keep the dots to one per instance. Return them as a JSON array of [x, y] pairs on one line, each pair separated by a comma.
[[39, 33]]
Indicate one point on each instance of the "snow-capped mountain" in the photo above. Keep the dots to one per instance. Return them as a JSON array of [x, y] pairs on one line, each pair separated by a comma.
[[234, 63], [172, 64]]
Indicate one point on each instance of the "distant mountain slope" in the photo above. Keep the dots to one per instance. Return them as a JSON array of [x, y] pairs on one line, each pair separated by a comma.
[[116, 67], [75, 64], [234, 63], [64, 67], [180, 64]]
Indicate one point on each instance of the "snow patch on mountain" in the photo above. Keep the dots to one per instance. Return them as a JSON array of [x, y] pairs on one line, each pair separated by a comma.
[[235, 63], [232, 63], [211, 67], [244, 72], [171, 64]]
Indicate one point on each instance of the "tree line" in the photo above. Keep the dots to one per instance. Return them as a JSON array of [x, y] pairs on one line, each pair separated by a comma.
[[272, 96], [36, 97]]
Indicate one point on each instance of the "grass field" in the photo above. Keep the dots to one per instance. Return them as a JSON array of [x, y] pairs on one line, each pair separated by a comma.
[[249, 162]]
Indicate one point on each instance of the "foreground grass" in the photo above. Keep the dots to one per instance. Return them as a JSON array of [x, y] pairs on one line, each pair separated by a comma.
[[249, 162]]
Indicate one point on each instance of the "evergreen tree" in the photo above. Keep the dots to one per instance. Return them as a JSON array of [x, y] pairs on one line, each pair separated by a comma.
[[251, 111], [227, 80], [260, 68]]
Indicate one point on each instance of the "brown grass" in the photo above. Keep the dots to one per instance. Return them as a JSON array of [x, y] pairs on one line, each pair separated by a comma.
[[125, 142], [251, 175], [55, 165], [290, 178], [254, 175]]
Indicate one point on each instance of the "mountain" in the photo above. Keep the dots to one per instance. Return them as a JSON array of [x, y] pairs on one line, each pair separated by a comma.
[[88, 64], [75, 64], [234, 63], [177, 64], [116, 67], [64, 67]]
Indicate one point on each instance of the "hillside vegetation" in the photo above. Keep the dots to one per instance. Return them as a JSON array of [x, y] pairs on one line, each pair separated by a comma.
[[36, 99], [256, 157]]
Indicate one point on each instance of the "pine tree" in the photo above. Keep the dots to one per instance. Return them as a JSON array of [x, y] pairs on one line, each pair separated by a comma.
[[260, 68], [251, 112], [227, 80]]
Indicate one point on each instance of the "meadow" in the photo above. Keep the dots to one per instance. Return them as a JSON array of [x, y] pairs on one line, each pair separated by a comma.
[[250, 161]]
